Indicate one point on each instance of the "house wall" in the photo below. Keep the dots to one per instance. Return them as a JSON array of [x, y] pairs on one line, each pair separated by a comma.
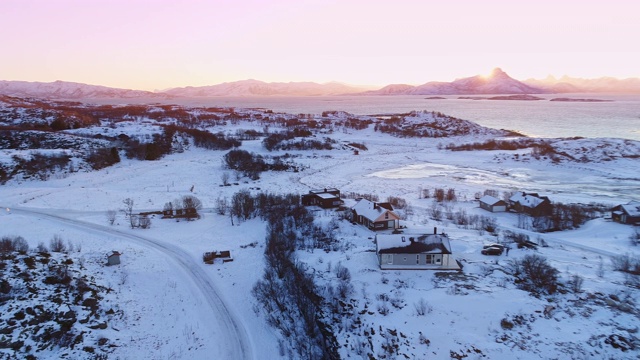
[[498, 208], [413, 261]]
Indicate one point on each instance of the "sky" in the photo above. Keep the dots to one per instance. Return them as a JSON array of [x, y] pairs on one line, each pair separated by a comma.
[[160, 44]]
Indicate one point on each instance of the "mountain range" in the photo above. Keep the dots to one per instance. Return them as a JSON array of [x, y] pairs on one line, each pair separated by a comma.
[[498, 82], [72, 91]]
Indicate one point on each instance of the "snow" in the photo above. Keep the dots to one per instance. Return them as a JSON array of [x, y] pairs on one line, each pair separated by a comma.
[[177, 307], [489, 200]]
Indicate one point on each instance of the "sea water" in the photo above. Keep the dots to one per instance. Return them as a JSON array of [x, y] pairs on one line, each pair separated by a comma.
[[618, 118]]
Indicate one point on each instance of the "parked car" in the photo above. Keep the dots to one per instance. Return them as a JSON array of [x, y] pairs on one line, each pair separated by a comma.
[[492, 250], [493, 245]]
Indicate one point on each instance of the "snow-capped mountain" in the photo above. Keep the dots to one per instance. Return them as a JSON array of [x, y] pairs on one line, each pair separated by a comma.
[[261, 88], [568, 84], [496, 83], [65, 90]]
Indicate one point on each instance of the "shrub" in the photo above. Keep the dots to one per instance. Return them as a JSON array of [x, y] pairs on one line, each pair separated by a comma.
[[422, 307], [342, 272], [57, 244], [534, 274]]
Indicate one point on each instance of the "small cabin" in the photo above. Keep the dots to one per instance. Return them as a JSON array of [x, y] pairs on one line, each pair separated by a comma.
[[325, 198], [113, 258]]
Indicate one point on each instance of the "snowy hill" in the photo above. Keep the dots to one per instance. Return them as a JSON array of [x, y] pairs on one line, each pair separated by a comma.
[[496, 83], [261, 88], [64, 90], [162, 300]]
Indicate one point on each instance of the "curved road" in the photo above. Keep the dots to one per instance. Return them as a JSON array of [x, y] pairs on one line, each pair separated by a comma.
[[235, 337]]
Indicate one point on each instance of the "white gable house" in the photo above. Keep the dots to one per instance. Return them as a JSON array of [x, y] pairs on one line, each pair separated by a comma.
[[415, 252]]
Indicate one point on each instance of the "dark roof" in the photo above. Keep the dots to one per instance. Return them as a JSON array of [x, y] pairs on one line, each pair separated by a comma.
[[417, 244]]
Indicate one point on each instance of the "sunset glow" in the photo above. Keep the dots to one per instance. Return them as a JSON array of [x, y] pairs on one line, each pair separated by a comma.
[[147, 44]]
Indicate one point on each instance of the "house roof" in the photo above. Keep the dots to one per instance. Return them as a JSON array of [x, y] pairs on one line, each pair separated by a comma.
[[413, 244], [528, 200], [371, 210], [632, 208], [320, 191], [114, 253], [490, 200], [326, 196]]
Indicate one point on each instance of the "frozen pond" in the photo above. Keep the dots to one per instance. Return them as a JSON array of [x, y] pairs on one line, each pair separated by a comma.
[[559, 181]]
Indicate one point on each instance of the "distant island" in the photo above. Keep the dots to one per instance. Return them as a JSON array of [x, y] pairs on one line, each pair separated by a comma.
[[435, 98], [579, 100], [504, 97]]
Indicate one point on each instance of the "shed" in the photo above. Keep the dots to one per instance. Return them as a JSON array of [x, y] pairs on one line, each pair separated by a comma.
[[113, 258]]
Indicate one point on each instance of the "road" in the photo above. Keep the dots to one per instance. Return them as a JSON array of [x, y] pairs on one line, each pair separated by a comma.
[[233, 334]]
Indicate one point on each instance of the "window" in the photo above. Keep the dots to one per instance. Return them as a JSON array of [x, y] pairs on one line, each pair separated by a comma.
[[418, 259], [429, 259], [387, 259], [386, 215]]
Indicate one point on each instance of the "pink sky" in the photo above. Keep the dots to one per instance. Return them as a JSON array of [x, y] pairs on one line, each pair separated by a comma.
[[157, 44]]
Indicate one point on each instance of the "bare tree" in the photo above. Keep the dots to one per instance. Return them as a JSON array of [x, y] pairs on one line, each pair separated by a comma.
[[191, 204], [111, 216], [222, 206], [128, 203]]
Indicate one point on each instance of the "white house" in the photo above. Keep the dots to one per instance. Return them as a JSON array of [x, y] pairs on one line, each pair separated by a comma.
[[415, 252]]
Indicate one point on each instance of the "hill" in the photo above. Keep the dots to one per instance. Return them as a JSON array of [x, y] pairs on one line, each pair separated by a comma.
[[261, 88], [496, 83]]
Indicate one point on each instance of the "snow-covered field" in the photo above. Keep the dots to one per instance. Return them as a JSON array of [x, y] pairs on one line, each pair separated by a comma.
[[176, 307]]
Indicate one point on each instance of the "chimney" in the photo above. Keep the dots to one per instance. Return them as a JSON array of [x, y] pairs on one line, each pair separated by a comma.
[[435, 230]]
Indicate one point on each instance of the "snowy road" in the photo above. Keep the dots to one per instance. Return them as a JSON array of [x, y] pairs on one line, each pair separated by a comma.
[[232, 333]]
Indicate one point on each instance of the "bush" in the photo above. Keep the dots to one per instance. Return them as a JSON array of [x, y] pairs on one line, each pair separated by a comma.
[[102, 158], [422, 307], [57, 244], [534, 274], [16, 243]]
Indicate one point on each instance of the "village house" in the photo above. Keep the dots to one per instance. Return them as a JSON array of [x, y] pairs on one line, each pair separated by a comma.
[[415, 252], [627, 213], [325, 198], [492, 204], [375, 216], [530, 203]]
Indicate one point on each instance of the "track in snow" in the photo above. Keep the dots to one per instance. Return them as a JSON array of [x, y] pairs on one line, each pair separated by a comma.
[[234, 335]]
